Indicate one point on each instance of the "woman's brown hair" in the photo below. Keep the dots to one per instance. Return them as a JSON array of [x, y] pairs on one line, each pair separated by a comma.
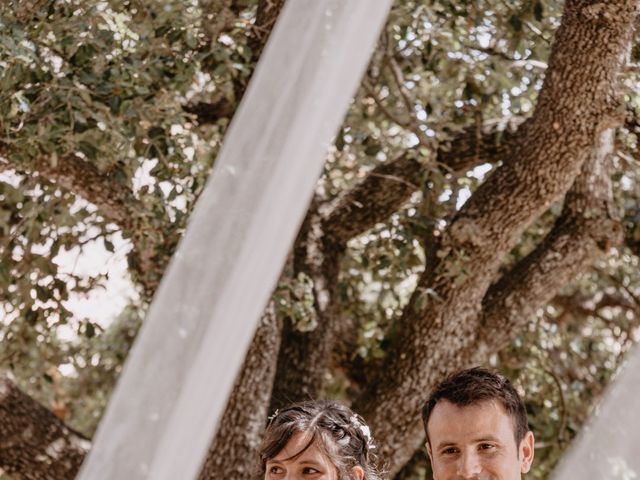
[[342, 436]]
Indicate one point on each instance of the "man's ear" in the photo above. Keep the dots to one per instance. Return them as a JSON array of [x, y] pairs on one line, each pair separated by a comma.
[[357, 472], [526, 451], [428, 447]]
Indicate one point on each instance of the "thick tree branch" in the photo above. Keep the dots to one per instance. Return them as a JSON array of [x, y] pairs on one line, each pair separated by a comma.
[[321, 243], [115, 200], [441, 322], [587, 227], [384, 190], [322, 240], [490, 142], [34, 443]]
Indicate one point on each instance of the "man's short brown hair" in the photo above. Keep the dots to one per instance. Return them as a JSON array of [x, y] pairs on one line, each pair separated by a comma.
[[476, 385]]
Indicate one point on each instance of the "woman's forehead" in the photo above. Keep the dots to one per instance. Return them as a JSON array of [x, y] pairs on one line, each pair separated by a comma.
[[301, 446]]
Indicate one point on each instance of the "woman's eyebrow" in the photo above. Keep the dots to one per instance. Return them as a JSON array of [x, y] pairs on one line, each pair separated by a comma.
[[309, 461]]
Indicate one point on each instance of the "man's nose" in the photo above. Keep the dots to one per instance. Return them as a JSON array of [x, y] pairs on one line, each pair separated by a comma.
[[469, 466]]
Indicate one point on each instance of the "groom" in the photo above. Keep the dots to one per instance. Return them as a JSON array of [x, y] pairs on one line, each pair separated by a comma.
[[477, 429]]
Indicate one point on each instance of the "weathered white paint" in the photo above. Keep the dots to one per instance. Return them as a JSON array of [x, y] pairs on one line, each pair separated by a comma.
[[608, 447], [176, 380]]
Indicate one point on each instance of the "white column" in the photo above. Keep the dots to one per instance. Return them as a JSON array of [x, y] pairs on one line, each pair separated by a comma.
[[608, 448], [181, 369]]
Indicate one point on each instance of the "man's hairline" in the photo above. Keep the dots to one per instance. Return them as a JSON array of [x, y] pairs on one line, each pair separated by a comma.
[[473, 404]]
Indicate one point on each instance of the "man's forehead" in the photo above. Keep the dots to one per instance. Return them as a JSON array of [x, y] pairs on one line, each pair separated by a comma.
[[483, 419]]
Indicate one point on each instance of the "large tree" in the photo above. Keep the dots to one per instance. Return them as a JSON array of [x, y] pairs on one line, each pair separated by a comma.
[[479, 206]]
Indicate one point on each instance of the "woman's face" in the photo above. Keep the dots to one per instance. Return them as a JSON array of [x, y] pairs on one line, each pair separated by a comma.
[[312, 464]]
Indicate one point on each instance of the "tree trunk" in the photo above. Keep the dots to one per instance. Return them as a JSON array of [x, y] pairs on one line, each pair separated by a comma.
[[34, 443]]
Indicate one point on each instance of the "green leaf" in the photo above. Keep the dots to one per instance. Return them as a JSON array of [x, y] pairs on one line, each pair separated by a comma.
[[89, 330], [515, 23], [108, 245], [538, 11], [340, 140]]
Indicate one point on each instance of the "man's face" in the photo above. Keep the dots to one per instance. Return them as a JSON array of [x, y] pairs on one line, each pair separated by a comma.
[[476, 442]]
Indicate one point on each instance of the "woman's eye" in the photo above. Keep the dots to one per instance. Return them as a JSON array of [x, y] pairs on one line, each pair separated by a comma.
[[275, 470], [309, 471]]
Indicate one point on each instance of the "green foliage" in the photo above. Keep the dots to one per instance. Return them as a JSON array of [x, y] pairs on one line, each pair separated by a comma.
[[572, 350], [104, 82], [294, 300]]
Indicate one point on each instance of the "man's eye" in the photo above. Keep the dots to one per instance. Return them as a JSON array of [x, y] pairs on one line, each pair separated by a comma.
[[486, 446], [450, 451]]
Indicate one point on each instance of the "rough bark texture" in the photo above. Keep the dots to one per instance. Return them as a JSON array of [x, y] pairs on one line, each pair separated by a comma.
[[245, 416], [266, 16], [589, 225], [576, 104], [34, 443], [114, 200]]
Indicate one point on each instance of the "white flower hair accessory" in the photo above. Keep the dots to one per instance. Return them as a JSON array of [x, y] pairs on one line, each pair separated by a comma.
[[271, 418], [358, 423]]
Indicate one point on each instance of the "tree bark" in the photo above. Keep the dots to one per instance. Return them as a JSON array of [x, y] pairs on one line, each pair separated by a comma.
[[588, 226], [442, 321], [34, 443]]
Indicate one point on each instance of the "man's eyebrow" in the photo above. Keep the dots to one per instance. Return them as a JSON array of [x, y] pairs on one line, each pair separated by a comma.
[[445, 443], [487, 438], [484, 438]]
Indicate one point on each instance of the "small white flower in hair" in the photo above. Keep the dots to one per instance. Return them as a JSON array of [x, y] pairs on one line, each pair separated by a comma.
[[272, 417], [366, 431]]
